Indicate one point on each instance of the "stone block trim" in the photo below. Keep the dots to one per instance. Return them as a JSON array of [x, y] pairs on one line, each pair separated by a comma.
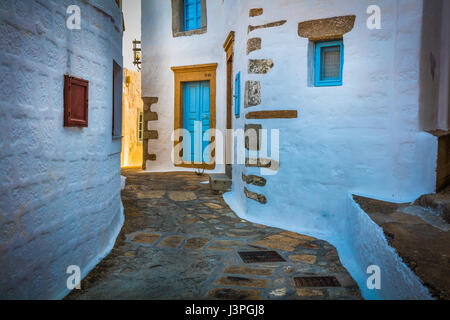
[[326, 29], [255, 196], [275, 114], [267, 25], [253, 44], [254, 180], [149, 115], [260, 66], [151, 135], [262, 163], [252, 93], [256, 12], [252, 133]]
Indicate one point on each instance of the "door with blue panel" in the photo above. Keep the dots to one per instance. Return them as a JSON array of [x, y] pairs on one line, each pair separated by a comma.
[[196, 120]]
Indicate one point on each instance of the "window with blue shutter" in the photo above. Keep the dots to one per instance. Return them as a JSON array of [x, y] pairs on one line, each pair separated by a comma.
[[237, 95], [192, 14], [329, 63]]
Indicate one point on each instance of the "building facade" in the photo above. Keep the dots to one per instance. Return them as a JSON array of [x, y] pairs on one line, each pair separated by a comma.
[[132, 120], [346, 91], [60, 148]]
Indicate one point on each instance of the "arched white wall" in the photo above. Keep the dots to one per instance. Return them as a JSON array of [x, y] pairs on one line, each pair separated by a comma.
[[60, 187]]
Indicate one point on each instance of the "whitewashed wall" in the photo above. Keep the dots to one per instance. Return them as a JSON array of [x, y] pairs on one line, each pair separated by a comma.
[[161, 51], [60, 187], [362, 137]]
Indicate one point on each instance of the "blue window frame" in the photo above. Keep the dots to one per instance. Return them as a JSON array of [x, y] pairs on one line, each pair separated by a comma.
[[237, 95], [329, 63], [192, 14]]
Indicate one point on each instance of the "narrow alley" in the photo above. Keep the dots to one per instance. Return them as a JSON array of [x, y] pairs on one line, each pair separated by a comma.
[[180, 241]]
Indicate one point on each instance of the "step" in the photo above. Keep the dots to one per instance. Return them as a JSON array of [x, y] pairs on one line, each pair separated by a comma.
[[438, 202], [220, 183]]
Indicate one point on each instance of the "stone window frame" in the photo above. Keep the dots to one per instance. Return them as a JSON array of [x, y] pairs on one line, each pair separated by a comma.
[[322, 30], [178, 20], [203, 72]]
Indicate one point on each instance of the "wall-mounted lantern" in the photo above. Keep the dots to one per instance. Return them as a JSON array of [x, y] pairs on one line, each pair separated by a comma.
[[137, 50]]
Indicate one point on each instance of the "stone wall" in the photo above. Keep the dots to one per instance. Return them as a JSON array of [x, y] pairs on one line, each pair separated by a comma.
[[60, 187], [132, 106], [150, 134]]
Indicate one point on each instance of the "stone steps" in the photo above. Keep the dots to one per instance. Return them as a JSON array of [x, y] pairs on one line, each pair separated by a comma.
[[220, 183], [438, 202]]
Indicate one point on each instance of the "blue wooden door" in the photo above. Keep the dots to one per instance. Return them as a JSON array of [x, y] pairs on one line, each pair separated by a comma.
[[196, 120]]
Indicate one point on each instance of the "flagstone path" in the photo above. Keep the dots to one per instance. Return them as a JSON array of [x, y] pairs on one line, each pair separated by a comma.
[[180, 241]]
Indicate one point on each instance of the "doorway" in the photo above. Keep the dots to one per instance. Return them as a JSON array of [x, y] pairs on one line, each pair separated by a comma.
[[229, 49], [196, 121], [195, 107]]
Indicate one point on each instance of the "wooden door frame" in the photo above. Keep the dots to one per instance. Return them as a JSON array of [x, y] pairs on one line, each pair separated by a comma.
[[228, 46], [203, 72]]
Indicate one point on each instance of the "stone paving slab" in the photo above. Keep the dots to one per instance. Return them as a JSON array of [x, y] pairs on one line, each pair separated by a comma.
[[180, 241]]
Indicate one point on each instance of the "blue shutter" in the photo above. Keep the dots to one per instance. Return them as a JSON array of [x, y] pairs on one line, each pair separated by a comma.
[[196, 120], [192, 14], [237, 95], [329, 63]]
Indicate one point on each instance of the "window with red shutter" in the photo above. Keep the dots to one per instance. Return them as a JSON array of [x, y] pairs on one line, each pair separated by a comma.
[[76, 102]]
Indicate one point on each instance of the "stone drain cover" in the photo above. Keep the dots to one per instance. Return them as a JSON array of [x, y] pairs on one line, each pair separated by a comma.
[[301, 282], [260, 256]]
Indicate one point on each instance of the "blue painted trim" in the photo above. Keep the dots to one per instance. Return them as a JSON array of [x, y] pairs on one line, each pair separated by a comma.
[[196, 120], [237, 95], [318, 82], [192, 14]]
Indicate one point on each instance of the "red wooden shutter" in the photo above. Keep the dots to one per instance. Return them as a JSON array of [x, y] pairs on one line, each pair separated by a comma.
[[76, 102]]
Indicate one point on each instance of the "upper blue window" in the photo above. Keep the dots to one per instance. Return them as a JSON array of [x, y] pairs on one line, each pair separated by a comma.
[[329, 63], [192, 14], [237, 95]]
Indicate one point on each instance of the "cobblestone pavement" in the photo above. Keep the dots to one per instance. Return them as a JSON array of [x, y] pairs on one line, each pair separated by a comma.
[[180, 241]]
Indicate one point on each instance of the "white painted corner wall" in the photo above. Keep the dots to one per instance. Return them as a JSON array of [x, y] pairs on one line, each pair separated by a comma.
[[360, 138], [60, 187]]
